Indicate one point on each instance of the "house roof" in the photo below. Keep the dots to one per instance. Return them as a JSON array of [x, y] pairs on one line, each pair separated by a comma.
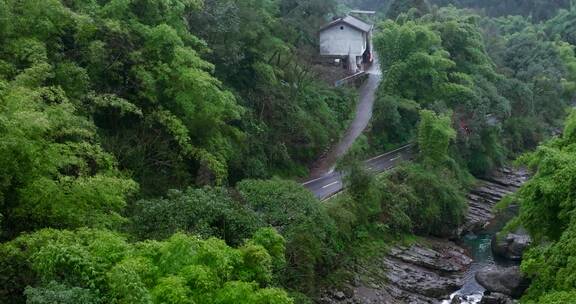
[[354, 22]]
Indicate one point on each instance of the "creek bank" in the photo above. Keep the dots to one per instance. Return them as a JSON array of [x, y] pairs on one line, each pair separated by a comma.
[[431, 269]]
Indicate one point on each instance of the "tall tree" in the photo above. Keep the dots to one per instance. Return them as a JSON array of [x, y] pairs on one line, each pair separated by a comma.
[[397, 7]]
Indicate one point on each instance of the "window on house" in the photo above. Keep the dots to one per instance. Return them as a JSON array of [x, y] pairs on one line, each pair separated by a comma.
[[342, 27]]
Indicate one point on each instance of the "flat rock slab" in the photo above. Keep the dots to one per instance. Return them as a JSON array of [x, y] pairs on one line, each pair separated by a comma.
[[440, 256], [418, 274], [431, 270], [483, 198]]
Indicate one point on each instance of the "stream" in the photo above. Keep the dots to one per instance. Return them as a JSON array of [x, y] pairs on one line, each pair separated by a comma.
[[480, 247]]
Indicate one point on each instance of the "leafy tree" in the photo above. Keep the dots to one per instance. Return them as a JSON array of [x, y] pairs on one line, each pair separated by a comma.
[[96, 266], [397, 7], [563, 25], [302, 221], [306, 17], [547, 212], [261, 49], [540, 78], [359, 183], [59, 293], [434, 135], [439, 62], [556, 297], [54, 172], [415, 68], [538, 10], [207, 212], [136, 70], [435, 206]]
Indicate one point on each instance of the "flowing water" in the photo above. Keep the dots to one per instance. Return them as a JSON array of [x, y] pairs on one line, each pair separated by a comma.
[[480, 247]]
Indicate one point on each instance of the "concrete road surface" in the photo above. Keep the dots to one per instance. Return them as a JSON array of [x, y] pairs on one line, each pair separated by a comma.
[[330, 184], [363, 114]]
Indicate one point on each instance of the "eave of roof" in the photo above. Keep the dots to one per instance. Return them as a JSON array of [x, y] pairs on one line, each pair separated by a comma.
[[353, 22]]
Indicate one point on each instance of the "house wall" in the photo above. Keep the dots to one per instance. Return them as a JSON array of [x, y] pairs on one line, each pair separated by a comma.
[[335, 41]]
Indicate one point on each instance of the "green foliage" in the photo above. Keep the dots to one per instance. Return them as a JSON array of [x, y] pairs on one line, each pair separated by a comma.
[[537, 10], [559, 297], [563, 25], [359, 183], [546, 200], [93, 266], [425, 198], [273, 243], [547, 212], [505, 82], [302, 220], [417, 7], [415, 68], [309, 232], [54, 172], [551, 267], [207, 212], [413, 47], [59, 293], [434, 201], [541, 81], [136, 69], [261, 49], [568, 55], [434, 135], [181, 93]]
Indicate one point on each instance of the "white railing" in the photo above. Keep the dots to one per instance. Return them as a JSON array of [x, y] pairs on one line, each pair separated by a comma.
[[349, 79]]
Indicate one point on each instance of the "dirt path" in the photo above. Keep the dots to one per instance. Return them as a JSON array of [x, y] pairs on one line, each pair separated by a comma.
[[326, 164]]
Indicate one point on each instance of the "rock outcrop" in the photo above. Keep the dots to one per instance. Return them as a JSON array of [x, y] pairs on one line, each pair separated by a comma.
[[489, 192], [512, 245], [420, 273], [508, 281]]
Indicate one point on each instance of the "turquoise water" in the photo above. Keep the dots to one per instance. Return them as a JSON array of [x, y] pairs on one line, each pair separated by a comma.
[[480, 248]]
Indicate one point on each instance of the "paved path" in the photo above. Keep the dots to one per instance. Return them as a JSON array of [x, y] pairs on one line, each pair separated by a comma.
[[363, 115], [331, 183]]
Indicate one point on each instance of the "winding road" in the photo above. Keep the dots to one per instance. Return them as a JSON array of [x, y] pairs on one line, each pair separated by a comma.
[[325, 180], [326, 186], [363, 115]]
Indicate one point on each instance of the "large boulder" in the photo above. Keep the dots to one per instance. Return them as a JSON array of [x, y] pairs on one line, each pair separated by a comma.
[[496, 298], [508, 281], [512, 245]]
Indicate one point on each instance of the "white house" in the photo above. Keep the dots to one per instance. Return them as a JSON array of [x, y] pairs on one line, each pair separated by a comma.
[[347, 39]]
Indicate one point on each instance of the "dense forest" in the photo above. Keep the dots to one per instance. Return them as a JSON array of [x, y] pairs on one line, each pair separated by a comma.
[[150, 150]]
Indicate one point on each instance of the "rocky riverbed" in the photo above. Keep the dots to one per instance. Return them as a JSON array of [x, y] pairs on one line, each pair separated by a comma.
[[429, 270]]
